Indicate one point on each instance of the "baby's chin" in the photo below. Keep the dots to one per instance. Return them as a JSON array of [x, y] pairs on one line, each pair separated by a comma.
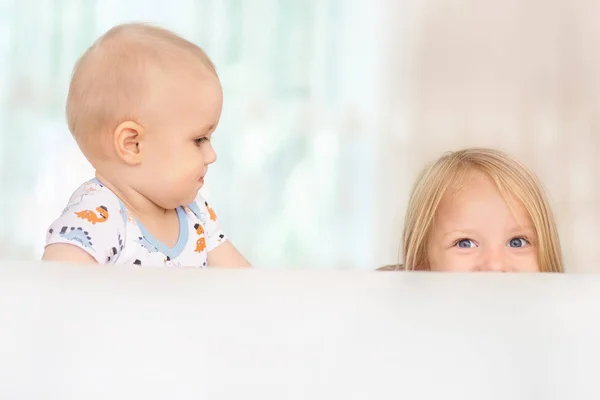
[[192, 197]]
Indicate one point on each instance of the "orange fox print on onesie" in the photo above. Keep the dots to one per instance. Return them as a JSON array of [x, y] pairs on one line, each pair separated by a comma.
[[91, 216], [211, 212], [201, 242]]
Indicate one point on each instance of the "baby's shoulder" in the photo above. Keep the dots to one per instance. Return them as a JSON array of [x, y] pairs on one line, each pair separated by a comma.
[[93, 206], [91, 196], [91, 220]]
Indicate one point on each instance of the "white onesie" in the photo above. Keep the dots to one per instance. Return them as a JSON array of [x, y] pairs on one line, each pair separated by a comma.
[[97, 221]]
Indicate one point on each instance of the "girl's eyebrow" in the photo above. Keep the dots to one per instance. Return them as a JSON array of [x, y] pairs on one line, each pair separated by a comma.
[[521, 229], [460, 232]]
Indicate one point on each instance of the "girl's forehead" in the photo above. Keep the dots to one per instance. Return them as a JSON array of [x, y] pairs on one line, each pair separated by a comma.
[[473, 184], [477, 196]]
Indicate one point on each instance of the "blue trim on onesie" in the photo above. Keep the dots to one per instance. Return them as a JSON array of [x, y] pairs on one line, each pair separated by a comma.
[[171, 252], [175, 251]]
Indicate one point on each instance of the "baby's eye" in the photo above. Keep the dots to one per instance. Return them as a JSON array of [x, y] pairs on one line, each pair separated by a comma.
[[465, 244], [201, 140], [518, 242]]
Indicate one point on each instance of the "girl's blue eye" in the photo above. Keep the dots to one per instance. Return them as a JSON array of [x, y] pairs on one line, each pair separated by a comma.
[[518, 242], [465, 244]]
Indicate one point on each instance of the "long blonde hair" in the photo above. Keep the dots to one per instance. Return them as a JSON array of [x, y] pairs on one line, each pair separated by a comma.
[[513, 180]]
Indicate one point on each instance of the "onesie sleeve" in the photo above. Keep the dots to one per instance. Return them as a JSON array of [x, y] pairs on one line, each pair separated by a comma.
[[91, 221]]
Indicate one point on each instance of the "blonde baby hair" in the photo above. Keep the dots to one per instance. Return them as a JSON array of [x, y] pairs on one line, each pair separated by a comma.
[[514, 181], [110, 80]]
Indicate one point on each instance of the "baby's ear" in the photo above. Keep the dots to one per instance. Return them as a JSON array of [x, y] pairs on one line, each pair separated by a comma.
[[127, 139]]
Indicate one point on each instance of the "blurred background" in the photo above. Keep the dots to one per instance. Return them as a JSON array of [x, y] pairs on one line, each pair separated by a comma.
[[331, 109]]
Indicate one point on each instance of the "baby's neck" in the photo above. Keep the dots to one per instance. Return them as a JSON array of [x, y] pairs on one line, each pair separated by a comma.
[[161, 223], [134, 201]]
